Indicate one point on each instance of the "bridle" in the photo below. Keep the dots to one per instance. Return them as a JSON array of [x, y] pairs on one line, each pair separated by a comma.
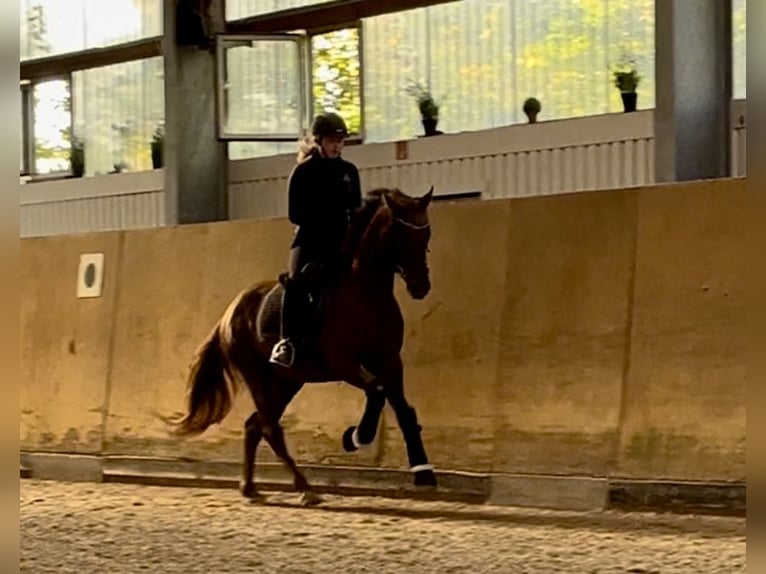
[[423, 227], [412, 225]]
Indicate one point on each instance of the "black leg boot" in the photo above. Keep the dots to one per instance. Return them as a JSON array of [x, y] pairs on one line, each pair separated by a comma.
[[284, 351]]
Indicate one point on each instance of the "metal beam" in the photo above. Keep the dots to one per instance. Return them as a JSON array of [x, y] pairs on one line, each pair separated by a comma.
[[325, 15], [64, 64]]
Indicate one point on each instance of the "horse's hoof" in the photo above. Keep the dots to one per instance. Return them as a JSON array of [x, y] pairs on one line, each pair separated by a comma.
[[309, 498], [348, 442], [248, 491], [425, 479]]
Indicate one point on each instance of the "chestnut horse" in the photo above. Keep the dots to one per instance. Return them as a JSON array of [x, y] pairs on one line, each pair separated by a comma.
[[358, 336]]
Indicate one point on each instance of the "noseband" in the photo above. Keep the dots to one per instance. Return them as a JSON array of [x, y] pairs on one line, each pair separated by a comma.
[[412, 225]]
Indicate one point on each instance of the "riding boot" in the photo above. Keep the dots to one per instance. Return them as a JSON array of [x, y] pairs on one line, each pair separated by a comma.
[[292, 303]]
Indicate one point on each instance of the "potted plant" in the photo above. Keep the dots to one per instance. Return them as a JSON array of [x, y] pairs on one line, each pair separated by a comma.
[[626, 79], [429, 110], [157, 143], [77, 158], [531, 108], [119, 167]]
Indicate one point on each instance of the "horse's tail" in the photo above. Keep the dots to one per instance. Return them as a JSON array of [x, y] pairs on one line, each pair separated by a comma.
[[209, 397]]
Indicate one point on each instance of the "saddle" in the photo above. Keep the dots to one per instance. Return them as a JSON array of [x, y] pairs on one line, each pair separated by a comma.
[[314, 280]]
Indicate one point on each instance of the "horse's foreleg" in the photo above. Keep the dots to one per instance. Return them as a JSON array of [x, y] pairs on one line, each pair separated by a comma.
[[356, 437], [407, 418]]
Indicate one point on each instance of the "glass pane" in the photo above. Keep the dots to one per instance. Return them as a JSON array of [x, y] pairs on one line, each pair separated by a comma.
[[245, 150], [561, 58], [117, 108], [470, 54], [395, 51], [262, 90], [483, 58], [335, 75], [629, 30], [50, 27], [236, 9], [52, 126], [739, 49]]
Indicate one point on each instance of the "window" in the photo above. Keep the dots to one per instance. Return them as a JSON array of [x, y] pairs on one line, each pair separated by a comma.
[[483, 58], [395, 48], [109, 114], [263, 88], [51, 27], [335, 76], [116, 110], [739, 48], [261, 79], [52, 126], [236, 9]]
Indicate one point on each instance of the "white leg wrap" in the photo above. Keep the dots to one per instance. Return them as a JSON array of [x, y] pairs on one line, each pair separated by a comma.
[[419, 467], [355, 438]]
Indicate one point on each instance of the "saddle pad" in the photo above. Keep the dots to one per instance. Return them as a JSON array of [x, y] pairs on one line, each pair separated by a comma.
[[269, 317]]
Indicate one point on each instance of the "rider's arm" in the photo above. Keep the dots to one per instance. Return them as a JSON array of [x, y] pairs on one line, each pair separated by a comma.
[[298, 210], [356, 188]]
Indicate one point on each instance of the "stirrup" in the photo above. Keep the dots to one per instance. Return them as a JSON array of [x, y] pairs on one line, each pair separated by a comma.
[[283, 353]]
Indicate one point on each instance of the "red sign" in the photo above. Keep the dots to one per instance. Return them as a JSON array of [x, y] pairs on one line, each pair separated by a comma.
[[402, 151]]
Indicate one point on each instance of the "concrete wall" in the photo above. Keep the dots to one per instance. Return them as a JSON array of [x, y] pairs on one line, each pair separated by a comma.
[[592, 334]]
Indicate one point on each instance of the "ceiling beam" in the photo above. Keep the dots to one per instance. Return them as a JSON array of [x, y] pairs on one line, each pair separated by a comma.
[[324, 15], [65, 64]]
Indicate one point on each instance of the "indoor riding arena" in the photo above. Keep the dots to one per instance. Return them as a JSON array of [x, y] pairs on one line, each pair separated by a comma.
[[524, 351]]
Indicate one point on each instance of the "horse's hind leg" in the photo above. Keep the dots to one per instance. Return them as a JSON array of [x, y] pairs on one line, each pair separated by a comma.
[[271, 397], [273, 433], [253, 434]]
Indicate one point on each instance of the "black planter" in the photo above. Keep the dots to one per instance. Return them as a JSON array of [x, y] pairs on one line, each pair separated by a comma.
[[429, 125], [77, 163], [156, 155], [629, 100]]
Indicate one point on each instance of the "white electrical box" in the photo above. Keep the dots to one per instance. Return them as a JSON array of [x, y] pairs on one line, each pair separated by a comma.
[[90, 275]]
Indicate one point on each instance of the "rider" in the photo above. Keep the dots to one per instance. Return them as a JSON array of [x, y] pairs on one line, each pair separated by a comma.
[[323, 192]]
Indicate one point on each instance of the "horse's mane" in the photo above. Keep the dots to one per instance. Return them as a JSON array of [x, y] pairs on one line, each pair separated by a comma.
[[362, 218]]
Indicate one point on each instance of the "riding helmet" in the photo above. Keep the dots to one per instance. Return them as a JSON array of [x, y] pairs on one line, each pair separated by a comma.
[[329, 124]]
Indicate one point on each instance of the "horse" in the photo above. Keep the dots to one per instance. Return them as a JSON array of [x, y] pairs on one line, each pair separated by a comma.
[[359, 333]]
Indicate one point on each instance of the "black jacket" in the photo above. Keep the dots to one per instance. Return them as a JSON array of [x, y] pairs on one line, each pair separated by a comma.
[[323, 194]]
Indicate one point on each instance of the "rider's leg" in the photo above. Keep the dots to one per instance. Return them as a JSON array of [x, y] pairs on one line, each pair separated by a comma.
[[284, 351]]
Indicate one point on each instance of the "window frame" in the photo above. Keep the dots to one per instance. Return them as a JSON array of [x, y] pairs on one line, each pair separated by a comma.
[[27, 127], [306, 96], [220, 68]]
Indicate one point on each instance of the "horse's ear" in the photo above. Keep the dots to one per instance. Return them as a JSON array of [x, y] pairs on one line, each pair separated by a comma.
[[426, 199], [386, 201]]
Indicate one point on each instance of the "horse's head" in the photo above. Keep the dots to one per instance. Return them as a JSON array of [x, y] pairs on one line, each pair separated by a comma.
[[410, 232]]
